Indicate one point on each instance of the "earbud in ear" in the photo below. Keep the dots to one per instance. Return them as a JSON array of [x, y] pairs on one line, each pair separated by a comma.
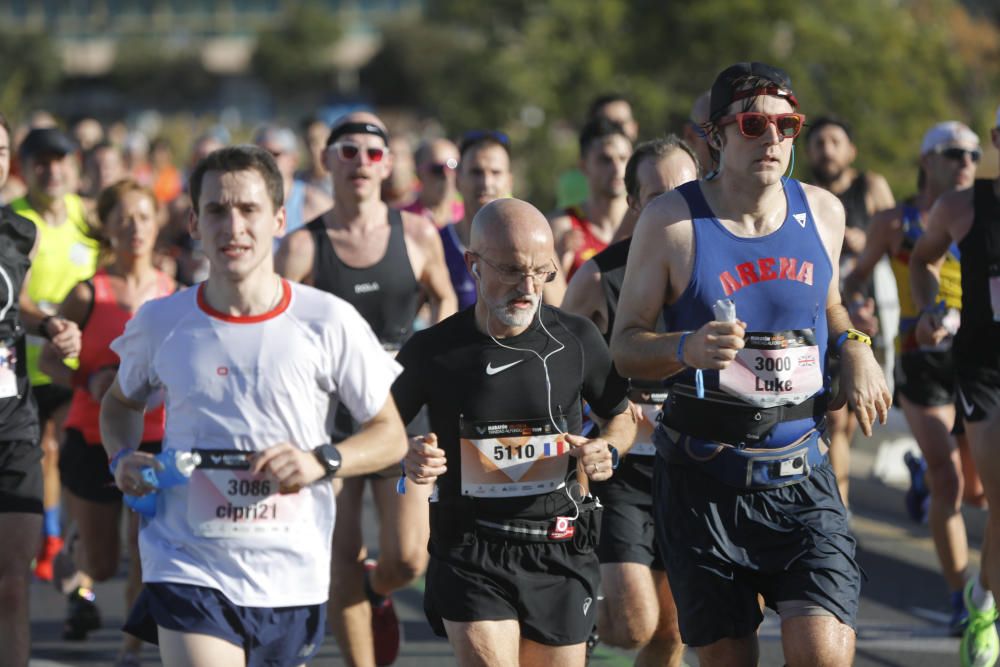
[[475, 270]]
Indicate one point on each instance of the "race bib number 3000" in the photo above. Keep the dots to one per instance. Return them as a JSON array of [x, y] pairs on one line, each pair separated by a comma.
[[775, 368], [515, 458], [225, 500]]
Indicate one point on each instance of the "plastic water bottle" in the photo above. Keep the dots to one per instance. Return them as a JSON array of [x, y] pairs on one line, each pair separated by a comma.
[[177, 468]]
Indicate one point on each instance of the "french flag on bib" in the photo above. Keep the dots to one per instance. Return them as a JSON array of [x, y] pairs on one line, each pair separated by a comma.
[[556, 448]]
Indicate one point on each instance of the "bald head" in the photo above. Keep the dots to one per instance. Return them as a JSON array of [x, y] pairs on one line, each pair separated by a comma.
[[511, 226]]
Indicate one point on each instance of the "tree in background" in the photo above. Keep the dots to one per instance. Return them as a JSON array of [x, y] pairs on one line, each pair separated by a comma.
[[295, 58], [890, 67], [32, 70]]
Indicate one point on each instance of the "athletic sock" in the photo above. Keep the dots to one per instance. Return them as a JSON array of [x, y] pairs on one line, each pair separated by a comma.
[[52, 521], [981, 597]]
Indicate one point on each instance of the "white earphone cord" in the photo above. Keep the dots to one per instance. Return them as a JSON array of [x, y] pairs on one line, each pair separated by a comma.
[[548, 385]]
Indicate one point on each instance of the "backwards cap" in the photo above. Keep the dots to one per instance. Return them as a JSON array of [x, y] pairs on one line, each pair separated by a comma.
[[727, 86], [947, 133]]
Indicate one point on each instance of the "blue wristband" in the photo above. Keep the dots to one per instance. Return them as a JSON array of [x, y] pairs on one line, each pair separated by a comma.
[[119, 455], [680, 347], [840, 341]]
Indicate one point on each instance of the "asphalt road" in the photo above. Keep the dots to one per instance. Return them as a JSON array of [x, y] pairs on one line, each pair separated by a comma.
[[903, 610]]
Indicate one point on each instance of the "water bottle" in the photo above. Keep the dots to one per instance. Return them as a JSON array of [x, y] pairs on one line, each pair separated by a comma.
[[177, 468]]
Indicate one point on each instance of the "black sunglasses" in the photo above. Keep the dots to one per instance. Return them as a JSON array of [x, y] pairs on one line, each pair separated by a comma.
[[958, 154]]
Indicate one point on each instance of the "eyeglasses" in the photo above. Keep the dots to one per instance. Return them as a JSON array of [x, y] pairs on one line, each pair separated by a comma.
[[754, 124], [516, 276], [958, 154], [439, 168], [348, 150]]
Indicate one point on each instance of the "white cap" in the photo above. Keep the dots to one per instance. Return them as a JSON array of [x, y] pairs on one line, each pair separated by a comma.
[[946, 133]]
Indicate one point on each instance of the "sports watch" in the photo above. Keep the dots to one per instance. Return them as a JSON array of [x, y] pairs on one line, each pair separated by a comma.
[[852, 334], [329, 457]]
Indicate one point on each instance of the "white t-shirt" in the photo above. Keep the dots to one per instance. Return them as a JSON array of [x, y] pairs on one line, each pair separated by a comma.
[[248, 383]]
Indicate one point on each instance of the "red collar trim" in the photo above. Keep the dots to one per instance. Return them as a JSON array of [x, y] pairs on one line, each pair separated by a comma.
[[286, 300]]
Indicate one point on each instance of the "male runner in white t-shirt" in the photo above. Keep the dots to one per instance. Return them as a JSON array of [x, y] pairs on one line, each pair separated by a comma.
[[236, 561]]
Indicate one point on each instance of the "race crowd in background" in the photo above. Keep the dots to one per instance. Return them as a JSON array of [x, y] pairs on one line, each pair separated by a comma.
[[576, 438]]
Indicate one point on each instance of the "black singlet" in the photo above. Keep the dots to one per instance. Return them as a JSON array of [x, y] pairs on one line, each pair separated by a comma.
[[18, 418], [468, 382], [632, 482], [855, 206], [611, 263], [977, 344], [386, 293]]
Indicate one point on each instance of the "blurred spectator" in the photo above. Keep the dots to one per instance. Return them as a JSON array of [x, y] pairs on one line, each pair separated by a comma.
[[103, 165], [303, 202], [88, 132], [438, 199], [166, 175], [400, 189], [136, 150], [316, 131]]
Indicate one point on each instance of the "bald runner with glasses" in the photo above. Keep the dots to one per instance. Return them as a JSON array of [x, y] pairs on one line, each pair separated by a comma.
[[742, 268], [514, 571], [384, 262]]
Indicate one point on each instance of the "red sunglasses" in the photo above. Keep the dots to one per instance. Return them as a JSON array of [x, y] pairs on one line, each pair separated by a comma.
[[754, 124], [348, 150]]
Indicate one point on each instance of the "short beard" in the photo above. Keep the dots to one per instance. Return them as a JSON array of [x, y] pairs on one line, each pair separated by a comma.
[[516, 318]]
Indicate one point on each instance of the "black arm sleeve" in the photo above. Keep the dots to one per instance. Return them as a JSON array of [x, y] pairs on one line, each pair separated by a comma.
[[603, 388], [409, 389]]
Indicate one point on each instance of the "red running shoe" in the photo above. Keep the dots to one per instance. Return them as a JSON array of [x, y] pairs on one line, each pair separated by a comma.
[[386, 631], [43, 564]]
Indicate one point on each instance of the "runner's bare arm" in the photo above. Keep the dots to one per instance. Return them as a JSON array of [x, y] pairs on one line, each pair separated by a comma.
[[585, 297], [662, 254], [862, 383], [121, 429], [620, 430], [880, 196], [877, 244], [379, 443], [434, 278], [554, 292], [74, 310], [295, 256], [949, 220], [565, 240]]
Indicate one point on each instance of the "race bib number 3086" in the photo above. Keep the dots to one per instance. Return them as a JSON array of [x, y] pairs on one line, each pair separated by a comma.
[[775, 368], [226, 500], [516, 458]]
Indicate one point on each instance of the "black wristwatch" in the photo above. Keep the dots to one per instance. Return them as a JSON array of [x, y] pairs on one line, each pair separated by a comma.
[[329, 457]]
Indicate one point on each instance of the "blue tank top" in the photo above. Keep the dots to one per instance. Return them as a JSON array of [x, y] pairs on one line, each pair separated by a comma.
[[454, 257], [779, 283]]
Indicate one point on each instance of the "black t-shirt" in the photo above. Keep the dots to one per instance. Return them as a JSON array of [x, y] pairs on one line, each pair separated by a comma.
[[471, 385], [18, 418]]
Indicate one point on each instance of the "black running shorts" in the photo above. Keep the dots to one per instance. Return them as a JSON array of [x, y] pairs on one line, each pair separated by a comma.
[[20, 477], [722, 547], [550, 587], [83, 468], [978, 392], [926, 378]]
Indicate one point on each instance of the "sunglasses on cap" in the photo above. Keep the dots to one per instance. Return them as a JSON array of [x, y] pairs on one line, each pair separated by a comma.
[[439, 168], [348, 150], [958, 154], [753, 124]]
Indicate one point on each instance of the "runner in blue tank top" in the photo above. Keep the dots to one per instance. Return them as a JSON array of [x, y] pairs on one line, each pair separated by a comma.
[[744, 498]]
